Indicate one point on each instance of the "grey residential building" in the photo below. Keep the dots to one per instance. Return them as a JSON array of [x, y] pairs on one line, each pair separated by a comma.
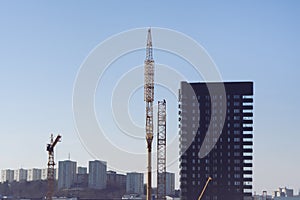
[[66, 174], [115, 180], [170, 183], [97, 174], [134, 183]]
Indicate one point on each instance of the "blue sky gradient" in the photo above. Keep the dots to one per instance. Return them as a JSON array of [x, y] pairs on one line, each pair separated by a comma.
[[43, 44]]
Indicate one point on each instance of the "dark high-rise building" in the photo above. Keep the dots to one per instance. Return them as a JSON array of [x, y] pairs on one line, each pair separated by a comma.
[[215, 128]]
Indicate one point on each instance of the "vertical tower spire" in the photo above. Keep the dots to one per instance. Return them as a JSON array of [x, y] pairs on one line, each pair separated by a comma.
[[149, 55]]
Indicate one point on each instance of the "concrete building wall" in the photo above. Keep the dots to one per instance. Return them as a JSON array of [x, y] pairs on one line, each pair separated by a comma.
[[66, 174], [7, 175], [20, 175], [135, 183], [97, 174], [34, 174], [170, 183]]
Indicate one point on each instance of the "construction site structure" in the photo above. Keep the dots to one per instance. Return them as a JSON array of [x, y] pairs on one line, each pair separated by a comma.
[[51, 165], [148, 98], [161, 150]]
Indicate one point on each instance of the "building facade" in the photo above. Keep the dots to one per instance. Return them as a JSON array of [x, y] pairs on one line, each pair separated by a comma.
[[115, 180], [215, 131], [81, 170], [97, 174], [34, 174], [20, 175], [283, 192], [66, 174], [44, 173], [134, 183], [7, 175], [82, 178], [170, 183]]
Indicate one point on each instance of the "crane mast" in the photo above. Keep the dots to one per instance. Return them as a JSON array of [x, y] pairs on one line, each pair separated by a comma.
[[148, 98], [51, 164], [161, 150]]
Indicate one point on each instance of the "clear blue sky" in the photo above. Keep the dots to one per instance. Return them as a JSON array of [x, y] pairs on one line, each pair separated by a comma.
[[43, 43]]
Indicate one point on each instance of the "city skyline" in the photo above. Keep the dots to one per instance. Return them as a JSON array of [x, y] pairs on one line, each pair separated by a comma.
[[43, 46]]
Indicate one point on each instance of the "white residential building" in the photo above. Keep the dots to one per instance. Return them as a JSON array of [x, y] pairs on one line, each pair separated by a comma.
[[34, 174], [7, 175], [45, 173], [20, 175]]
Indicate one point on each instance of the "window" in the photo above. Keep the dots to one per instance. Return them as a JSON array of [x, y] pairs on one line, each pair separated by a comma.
[[237, 183], [237, 176], [236, 96], [236, 118], [237, 161], [236, 132], [236, 111], [237, 154], [236, 103], [237, 169], [236, 125]]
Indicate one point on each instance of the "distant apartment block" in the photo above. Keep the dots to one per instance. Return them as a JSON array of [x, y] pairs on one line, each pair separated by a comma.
[[283, 192], [66, 174], [20, 175], [82, 170], [170, 183], [34, 174], [115, 180], [7, 175], [82, 178], [218, 126], [97, 174], [44, 173], [134, 183]]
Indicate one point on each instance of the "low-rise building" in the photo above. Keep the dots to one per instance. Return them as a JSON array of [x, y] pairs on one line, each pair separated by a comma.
[[115, 180]]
